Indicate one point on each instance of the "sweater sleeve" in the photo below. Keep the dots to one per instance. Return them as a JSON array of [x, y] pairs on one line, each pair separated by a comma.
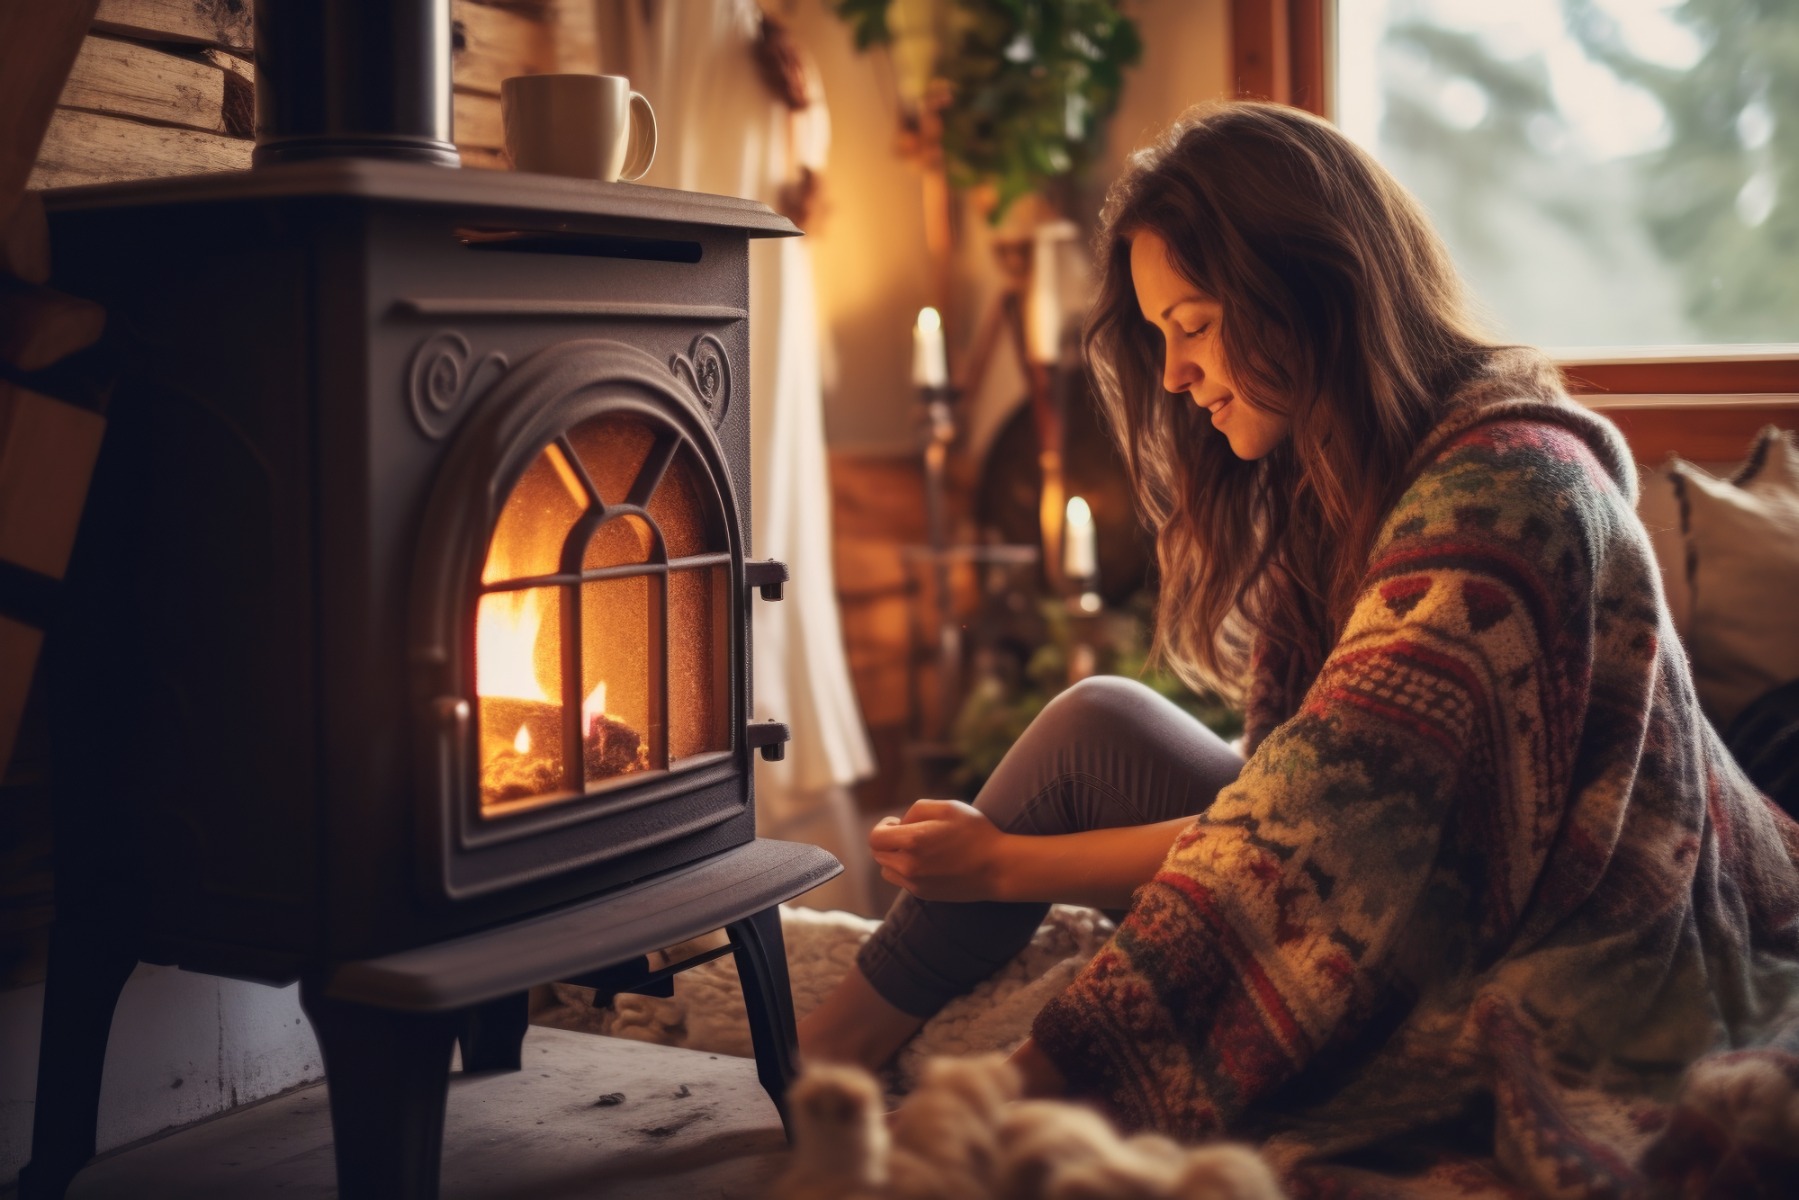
[[1280, 918]]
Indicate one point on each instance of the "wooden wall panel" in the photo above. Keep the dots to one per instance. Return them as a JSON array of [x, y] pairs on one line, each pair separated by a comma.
[[84, 147], [492, 43], [129, 79], [169, 68], [206, 22]]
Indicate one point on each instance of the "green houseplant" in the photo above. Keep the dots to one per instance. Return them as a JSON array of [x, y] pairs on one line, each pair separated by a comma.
[[1026, 85]]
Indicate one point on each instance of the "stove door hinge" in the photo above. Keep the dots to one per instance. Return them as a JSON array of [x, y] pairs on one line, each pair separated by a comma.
[[768, 575], [770, 737]]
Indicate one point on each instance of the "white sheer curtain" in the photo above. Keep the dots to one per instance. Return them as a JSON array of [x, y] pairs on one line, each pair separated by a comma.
[[720, 129]]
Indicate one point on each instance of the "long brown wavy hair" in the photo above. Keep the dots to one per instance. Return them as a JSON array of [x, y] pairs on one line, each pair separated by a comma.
[[1341, 311]]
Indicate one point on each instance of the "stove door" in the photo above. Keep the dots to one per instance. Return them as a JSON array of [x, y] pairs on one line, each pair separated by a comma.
[[582, 605]]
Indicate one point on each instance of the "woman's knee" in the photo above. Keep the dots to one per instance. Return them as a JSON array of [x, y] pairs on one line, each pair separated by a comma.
[[1097, 706]]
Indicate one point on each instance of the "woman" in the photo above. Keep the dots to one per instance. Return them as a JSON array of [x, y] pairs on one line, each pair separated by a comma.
[[1486, 882]]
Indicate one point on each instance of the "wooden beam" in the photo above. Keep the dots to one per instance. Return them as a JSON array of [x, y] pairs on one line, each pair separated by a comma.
[[90, 148], [1261, 62], [1713, 433], [208, 22], [1694, 377], [128, 79], [39, 40], [1308, 56]]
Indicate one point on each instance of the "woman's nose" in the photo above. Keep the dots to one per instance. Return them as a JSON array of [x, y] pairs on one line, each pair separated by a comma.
[[1179, 374]]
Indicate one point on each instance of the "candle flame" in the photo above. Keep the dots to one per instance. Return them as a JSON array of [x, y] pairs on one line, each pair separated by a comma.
[[522, 743], [929, 320], [1078, 512]]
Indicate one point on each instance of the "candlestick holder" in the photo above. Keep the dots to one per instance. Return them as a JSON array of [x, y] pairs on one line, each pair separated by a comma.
[[938, 431]]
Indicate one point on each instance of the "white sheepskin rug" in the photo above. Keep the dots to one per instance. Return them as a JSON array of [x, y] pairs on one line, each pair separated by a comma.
[[960, 1132], [706, 1012], [964, 1134]]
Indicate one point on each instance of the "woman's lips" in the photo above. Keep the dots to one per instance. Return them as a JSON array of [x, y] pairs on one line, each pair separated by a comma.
[[1220, 408]]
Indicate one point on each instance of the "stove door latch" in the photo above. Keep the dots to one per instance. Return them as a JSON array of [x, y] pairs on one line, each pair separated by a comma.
[[768, 575], [770, 737]]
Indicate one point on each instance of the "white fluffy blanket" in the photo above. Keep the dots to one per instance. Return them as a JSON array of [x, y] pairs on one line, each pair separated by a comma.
[[707, 1013]]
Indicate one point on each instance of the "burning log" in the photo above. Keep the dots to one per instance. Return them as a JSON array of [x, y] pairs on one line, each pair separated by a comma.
[[509, 775], [613, 748], [521, 749]]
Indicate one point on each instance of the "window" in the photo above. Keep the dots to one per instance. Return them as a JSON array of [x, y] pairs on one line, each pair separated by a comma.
[[1664, 130], [1606, 172]]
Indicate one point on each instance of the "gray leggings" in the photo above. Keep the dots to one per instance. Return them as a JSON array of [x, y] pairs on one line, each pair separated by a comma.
[[1107, 752]]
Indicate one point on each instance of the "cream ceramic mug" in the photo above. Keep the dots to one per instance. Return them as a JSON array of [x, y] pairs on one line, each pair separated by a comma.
[[588, 126]]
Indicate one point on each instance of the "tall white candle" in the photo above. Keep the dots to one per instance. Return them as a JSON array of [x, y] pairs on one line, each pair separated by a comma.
[[929, 367], [1080, 548]]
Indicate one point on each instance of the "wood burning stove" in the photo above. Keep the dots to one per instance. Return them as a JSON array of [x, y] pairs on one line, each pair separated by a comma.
[[405, 651]]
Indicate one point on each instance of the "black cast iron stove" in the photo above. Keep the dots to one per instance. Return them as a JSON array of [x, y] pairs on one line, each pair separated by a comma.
[[405, 651]]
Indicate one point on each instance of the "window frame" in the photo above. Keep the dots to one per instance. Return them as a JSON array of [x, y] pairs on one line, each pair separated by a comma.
[[1701, 402]]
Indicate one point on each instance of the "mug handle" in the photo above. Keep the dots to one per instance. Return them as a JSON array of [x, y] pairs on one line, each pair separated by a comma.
[[643, 138]]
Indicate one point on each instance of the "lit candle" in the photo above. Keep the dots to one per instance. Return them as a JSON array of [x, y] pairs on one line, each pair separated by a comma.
[[929, 369], [1080, 551]]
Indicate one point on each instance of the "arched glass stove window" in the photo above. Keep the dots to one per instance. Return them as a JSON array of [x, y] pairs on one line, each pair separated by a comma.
[[603, 625]]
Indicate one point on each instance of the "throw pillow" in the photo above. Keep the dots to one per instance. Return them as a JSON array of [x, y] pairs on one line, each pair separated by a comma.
[[1742, 537], [1658, 507]]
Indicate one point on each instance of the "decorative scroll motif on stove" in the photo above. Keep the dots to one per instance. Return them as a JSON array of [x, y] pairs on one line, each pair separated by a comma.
[[441, 379], [708, 373]]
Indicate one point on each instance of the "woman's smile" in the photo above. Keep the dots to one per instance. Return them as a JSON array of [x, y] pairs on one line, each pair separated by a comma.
[[1194, 360]]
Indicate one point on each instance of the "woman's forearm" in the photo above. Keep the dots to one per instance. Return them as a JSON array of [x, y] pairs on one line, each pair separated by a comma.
[[1099, 867]]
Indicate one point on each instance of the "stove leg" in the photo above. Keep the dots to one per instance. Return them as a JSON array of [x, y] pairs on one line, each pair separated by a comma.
[[387, 1075], [493, 1034], [768, 999], [86, 972]]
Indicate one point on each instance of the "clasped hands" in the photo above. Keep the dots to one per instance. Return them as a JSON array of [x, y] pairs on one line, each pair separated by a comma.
[[942, 850]]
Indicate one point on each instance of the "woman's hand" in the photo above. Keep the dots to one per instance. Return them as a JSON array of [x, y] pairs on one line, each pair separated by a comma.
[[941, 850]]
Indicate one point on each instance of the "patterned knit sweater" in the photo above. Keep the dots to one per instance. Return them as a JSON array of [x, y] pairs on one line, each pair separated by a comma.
[[1482, 895]]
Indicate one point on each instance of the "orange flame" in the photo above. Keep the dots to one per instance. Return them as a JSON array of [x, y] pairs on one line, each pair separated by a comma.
[[506, 629]]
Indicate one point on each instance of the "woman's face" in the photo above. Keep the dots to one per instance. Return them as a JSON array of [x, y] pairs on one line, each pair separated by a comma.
[[1193, 362]]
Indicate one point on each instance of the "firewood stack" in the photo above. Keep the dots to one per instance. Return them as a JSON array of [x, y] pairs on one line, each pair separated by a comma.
[[50, 429], [47, 451]]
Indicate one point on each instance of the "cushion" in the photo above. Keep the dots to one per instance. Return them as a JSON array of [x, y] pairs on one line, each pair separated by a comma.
[[1742, 543], [1658, 505]]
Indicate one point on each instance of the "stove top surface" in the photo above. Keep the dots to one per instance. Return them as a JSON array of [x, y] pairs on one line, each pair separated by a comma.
[[385, 181]]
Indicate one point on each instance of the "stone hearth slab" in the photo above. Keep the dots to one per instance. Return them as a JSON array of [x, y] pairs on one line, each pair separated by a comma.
[[691, 1126]]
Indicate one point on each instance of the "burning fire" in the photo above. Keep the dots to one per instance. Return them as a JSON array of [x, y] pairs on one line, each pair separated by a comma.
[[506, 629], [507, 625]]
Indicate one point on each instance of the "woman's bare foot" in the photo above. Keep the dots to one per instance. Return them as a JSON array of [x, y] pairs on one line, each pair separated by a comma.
[[855, 1024]]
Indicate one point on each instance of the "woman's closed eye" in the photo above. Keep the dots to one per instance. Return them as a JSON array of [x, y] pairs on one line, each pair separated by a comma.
[[1193, 333]]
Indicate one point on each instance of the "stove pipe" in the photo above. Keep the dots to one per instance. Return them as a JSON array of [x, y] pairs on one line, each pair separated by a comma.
[[361, 78]]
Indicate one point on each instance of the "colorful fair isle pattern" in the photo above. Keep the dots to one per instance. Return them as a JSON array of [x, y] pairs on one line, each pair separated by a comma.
[[1489, 889]]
